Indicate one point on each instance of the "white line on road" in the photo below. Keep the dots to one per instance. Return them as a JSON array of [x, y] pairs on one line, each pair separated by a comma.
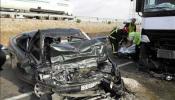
[[124, 64], [20, 96]]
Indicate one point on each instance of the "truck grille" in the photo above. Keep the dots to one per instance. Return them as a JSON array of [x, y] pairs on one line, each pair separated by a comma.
[[167, 54]]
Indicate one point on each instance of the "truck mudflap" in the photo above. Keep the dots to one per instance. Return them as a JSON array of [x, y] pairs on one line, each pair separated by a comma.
[[167, 54], [164, 76]]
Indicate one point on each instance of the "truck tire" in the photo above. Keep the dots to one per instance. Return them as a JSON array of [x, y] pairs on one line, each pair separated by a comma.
[[143, 58]]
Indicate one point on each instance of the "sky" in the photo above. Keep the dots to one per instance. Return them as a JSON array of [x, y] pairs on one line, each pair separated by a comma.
[[102, 8], [118, 9]]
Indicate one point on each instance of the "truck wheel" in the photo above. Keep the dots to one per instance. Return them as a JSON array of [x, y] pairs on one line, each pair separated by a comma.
[[143, 58]]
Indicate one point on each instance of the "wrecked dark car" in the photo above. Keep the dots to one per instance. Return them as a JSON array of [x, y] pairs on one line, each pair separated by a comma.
[[66, 62]]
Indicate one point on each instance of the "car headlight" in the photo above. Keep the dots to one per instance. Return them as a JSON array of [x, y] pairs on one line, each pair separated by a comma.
[[99, 49]]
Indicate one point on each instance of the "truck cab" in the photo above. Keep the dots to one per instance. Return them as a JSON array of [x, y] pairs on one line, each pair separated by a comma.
[[158, 25]]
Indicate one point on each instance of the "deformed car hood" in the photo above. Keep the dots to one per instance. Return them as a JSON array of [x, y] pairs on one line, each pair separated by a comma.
[[64, 47], [76, 63], [81, 57], [82, 48]]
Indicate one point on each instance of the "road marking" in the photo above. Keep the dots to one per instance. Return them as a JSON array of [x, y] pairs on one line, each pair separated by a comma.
[[124, 64], [20, 96]]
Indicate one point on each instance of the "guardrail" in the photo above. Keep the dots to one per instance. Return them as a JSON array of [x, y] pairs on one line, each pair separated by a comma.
[[31, 15], [34, 15]]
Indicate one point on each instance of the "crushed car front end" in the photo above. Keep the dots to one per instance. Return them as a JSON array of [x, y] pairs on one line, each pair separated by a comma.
[[76, 67], [62, 61]]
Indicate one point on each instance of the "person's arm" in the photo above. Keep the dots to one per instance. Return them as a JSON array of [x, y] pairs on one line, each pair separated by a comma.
[[126, 27], [129, 43], [113, 33], [130, 40]]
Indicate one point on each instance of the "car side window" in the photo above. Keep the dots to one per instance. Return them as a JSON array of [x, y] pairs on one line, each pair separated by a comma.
[[22, 42], [35, 46]]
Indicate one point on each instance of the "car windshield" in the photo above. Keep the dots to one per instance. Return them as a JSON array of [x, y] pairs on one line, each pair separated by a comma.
[[159, 5]]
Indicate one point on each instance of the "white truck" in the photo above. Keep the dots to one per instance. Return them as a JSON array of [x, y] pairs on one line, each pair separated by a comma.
[[158, 25]]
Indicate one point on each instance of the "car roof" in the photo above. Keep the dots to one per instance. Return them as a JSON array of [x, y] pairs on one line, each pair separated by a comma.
[[56, 32]]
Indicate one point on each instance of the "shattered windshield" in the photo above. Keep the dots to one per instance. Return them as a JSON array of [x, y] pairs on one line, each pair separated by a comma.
[[159, 5]]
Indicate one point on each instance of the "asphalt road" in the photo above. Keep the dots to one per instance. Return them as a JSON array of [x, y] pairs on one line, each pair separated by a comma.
[[11, 88]]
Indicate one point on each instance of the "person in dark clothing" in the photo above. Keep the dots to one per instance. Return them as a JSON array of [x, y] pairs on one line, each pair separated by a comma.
[[116, 37], [112, 39], [119, 36], [2, 57]]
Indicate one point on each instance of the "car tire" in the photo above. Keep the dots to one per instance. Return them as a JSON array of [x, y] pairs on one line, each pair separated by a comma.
[[46, 97], [13, 61], [38, 90]]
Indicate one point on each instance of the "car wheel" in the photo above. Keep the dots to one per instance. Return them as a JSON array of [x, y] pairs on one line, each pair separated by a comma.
[[38, 90], [46, 97], [13, 61]]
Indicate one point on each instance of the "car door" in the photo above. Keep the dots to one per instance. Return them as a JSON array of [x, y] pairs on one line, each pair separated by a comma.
[[35, 47]]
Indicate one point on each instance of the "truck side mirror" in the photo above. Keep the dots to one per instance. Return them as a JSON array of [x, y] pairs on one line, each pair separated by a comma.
[[139, 6]]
